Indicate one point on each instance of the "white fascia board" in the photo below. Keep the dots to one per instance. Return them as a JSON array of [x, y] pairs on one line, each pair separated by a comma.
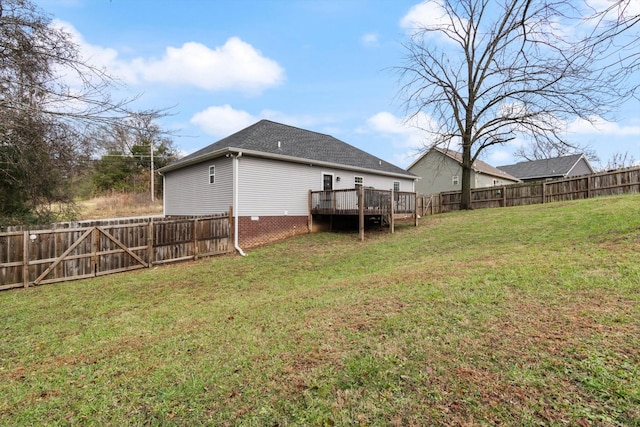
[[300, 160]]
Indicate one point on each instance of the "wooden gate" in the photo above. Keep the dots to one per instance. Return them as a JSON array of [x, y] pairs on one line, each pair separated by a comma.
[[77, 252], [87, 252]]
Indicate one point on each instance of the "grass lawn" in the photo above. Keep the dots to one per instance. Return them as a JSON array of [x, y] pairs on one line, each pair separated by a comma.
[[517, 316]]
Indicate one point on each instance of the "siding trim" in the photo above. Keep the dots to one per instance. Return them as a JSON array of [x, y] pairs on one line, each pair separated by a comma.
[[290, 159]]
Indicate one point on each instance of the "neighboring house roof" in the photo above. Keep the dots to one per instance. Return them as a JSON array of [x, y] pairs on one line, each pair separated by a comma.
[[546, 168], [478, 166], [283, 142]]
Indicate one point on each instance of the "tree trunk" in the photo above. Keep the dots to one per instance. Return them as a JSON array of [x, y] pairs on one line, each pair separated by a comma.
[[465, 199]]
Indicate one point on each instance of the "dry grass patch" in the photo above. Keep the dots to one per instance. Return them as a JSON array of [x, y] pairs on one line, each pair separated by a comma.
[[119, 205]]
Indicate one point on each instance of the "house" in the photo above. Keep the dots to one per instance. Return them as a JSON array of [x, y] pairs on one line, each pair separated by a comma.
[[265, 173], [441, 170], [558, 167]]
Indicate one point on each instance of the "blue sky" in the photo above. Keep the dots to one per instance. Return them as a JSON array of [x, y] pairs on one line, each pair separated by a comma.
[[323, 65]]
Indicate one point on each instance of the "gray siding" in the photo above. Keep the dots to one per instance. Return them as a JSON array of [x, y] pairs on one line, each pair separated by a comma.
[[276, 188], [273, 188], [580, 168], [188, 192], [437, 172], [483, 180]]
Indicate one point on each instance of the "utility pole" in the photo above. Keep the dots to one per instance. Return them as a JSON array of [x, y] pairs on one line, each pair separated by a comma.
[[153, 195]]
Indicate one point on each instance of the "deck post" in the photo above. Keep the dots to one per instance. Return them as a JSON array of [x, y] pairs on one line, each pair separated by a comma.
[[310, 221], [361, 211], [391, 215]]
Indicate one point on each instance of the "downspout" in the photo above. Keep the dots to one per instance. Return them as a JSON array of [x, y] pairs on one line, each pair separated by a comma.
[[236, 164]]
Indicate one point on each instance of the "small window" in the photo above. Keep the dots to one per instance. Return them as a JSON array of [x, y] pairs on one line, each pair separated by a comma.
[[455, 180], [212, 174], [396, 186], [496, 182], [359, 181]]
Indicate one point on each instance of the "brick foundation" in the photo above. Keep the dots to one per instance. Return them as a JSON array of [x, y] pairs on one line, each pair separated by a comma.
[[266, 229]]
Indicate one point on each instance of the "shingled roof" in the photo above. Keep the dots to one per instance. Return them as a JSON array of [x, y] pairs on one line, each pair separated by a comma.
[[478, 165], [290, 143], [546, 168]]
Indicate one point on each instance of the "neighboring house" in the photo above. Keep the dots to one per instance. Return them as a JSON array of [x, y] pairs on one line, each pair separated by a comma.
[[441, 170], [559, 167], [265, 172]]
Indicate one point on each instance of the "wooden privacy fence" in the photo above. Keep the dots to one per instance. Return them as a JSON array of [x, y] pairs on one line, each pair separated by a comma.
[[72, 251], [619, 181]]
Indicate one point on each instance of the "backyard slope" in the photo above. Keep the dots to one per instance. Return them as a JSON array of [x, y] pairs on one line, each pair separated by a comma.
[[513, 316]]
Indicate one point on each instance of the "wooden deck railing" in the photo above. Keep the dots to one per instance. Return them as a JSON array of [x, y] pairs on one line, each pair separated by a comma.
[[363, 203], [375, 202]]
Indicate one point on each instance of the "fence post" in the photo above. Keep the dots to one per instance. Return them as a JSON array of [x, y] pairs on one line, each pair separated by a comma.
[[95, 235], [195, 239], [25, 258], [150, 243], [544, 191], [589, 187], [230, 247], [504, 197]]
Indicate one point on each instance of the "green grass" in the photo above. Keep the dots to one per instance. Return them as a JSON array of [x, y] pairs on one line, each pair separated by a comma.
[[518, 316]]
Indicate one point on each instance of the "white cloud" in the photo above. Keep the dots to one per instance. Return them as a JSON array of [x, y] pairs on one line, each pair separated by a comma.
[[405, 133], [628, 8], [430, 14], [236, 65], [369, 40], [222, 120], [599, 126], [499, 157], [408, 138]]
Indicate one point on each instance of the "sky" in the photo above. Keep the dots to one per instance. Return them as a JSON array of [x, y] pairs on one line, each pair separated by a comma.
[[322, 65]]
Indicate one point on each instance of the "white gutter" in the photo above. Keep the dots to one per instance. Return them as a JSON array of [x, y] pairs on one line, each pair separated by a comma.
[[231, 150], [235, 203]]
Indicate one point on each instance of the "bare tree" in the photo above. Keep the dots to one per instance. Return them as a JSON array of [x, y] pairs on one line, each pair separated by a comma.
[[137, 146], [50, 99], [619, 161], [487, 72]]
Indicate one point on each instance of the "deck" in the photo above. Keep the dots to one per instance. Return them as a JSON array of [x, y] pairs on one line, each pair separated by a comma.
[[364, 203]]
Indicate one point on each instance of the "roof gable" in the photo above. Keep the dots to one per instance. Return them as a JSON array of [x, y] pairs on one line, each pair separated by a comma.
[[278, 139], [545, 168], [478, 166]]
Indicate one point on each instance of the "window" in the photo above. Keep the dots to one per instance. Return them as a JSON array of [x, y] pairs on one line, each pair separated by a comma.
[[359, 181], [455, 180], [212, 174], [396, 186], [496, 182]]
